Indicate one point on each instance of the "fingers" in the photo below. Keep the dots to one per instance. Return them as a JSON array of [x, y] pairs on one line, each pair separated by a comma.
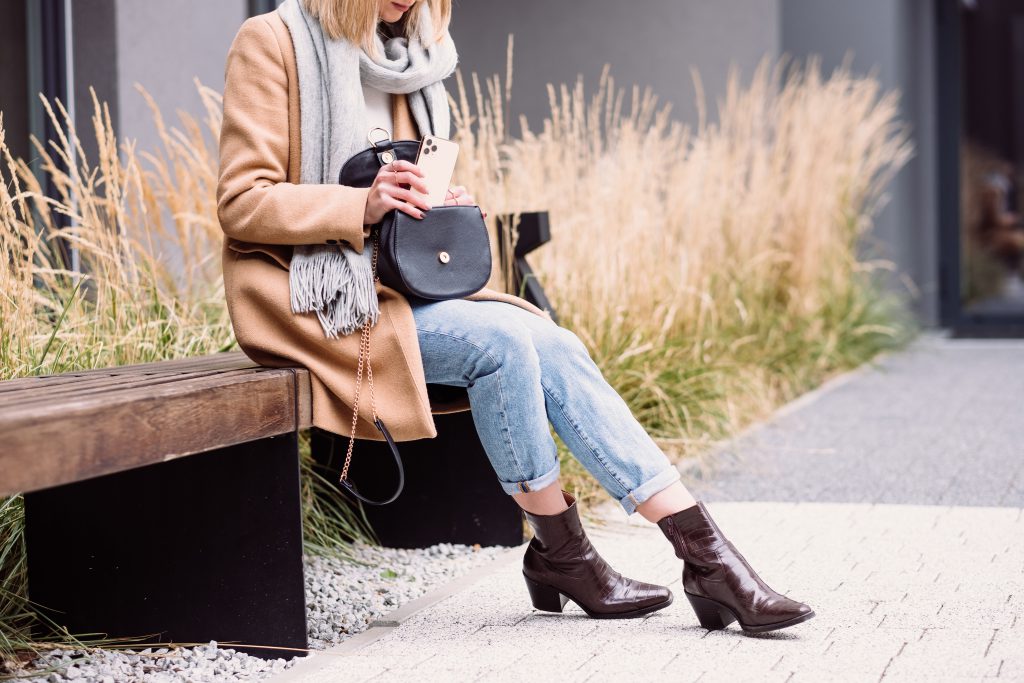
[[462, 199], [403, 165], [457, 195], [394, 195], [405, 207], [410, 197], [407, 177], [391, 202]]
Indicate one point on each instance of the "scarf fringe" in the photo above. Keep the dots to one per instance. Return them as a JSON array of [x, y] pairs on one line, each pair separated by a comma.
[[336, 284]]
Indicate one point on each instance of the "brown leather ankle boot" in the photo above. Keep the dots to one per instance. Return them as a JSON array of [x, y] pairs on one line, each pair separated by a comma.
[[719, 583], [561, 565]]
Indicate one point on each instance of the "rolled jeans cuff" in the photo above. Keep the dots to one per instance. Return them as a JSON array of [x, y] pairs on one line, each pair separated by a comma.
[[641, 493], [534, 484]]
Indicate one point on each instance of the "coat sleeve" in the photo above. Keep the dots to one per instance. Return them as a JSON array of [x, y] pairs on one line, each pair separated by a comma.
[[255, 203]]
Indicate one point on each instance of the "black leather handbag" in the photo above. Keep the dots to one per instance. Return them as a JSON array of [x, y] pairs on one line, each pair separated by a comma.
[[444, 255]]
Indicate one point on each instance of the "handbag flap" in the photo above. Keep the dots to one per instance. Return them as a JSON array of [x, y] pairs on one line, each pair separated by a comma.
[[446, 254], [362, 167]]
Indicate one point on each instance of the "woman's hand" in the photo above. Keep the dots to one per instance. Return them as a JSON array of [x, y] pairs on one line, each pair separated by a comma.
[[457, 194], [387, 192]]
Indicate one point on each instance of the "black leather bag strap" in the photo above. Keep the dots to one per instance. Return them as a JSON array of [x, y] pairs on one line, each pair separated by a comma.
[[351, 488], [364, 352]]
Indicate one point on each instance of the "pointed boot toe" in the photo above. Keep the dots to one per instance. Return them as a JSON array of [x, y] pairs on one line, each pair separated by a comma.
[[650, 595], [719, 583], [561, 564]]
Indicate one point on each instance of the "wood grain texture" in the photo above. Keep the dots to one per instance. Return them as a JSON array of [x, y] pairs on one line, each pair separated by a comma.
[[216, 361], [64, 428]]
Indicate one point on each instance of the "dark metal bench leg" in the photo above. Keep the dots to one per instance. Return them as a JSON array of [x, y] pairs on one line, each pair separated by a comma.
[[205, 547]]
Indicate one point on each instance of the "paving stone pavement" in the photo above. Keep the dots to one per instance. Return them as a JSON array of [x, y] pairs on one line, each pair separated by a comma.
[[941, 423], [912, 556]]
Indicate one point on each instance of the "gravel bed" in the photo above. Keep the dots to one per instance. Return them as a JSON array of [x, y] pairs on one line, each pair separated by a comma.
[[342, 598]]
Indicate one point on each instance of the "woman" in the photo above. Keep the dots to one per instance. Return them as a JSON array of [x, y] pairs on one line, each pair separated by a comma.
[[518, 367]]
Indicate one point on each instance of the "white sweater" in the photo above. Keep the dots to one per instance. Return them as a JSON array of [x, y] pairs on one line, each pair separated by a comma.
[[378, 110]]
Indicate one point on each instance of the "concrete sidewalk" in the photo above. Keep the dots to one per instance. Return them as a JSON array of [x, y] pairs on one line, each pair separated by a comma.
[[927, 585], [941, 423]]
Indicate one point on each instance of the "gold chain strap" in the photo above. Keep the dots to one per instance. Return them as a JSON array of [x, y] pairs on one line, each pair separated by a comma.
[[364, 350]]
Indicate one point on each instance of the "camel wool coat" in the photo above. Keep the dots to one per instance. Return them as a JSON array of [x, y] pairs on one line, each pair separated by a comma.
[[264, 210]]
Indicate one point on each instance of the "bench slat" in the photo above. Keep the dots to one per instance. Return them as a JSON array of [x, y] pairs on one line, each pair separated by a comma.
[[150, 419], [226, 361], [74, 390]]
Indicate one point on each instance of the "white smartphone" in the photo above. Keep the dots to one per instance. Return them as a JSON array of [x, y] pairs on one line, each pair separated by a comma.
[[436, 158]]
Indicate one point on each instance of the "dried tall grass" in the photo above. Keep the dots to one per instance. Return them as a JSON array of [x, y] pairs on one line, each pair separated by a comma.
[[713, 273], [145, 228]]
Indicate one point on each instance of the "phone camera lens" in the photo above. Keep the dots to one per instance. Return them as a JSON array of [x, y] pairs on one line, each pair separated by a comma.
[[434, 148], [426, 150], [429, 142]]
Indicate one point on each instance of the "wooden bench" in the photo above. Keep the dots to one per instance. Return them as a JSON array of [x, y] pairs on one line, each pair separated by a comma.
[[164, 498]]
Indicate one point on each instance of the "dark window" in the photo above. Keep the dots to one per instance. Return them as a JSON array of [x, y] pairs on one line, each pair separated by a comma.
[[981, 68]]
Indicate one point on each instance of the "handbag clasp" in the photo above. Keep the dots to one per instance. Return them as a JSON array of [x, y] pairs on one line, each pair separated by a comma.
[[382, 145]]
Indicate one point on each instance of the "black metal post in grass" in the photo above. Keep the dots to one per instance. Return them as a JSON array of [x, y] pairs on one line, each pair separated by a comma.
[[534, 230]]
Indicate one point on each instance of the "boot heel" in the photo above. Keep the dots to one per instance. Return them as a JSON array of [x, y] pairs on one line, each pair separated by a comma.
[[545, 597], [711, 615]]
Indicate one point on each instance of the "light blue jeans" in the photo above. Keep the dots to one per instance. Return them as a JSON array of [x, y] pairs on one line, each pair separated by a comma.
[[520, 371]]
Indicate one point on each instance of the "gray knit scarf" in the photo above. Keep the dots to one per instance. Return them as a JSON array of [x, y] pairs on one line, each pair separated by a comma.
[[335, 281]]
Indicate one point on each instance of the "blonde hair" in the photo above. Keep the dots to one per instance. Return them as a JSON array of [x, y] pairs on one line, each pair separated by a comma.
[[357, 20]]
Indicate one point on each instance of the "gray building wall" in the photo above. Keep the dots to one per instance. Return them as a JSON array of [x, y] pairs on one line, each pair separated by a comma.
[[894, 39], [648, 42], [163, 45]]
